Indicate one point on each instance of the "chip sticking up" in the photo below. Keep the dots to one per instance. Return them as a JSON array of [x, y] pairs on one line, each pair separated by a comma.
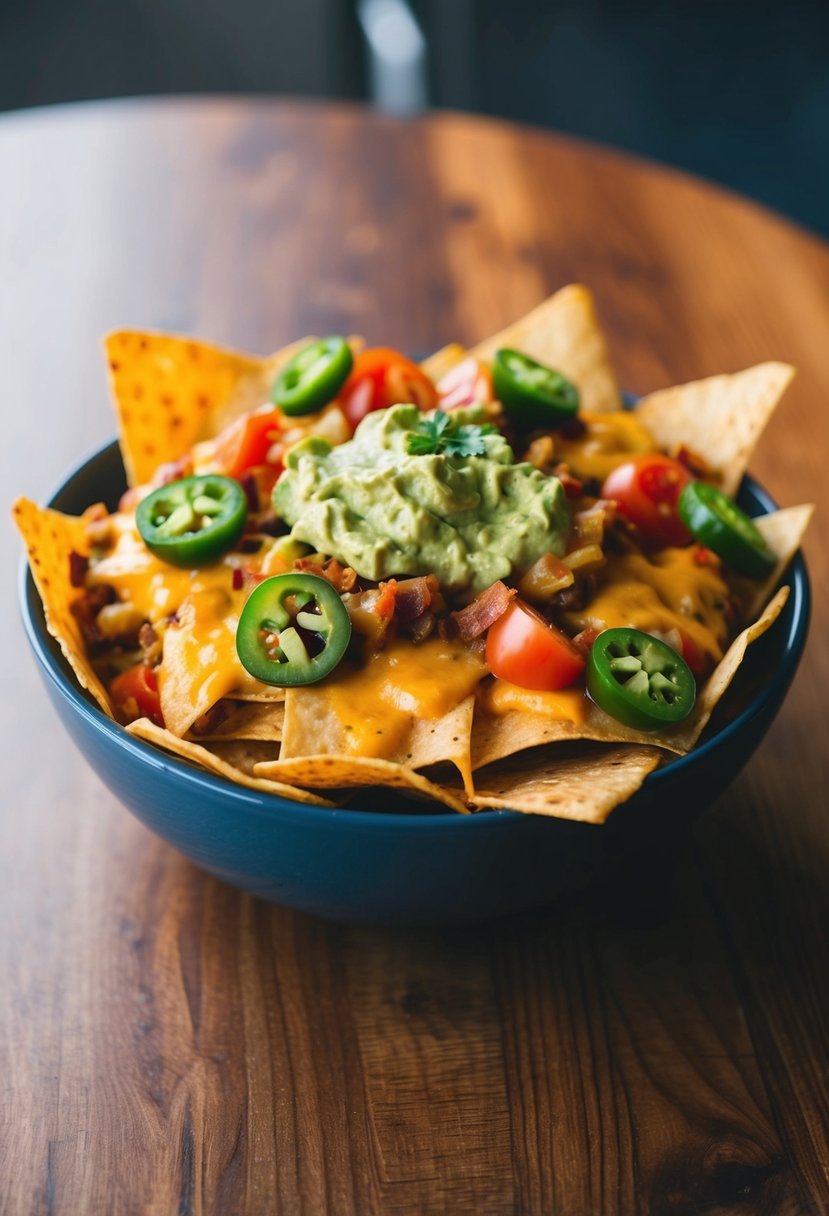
[[171, 393]]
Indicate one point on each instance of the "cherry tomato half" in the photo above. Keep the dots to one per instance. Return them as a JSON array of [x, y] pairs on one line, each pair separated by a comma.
[[467, 382], [523, 649], [245, 443], [646, 491], [135, 694], [382, 377]]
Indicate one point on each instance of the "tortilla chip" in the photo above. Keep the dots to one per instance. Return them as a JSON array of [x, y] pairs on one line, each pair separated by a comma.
[[717, 684], [202, 757], [245, 720], [337, 772], [443, 360], [564, 333], [243, 753], [783, 532], [496, 736], [183, 691], [312, 727], [171, 392], [50, 537], [721, 418], [584, 784]]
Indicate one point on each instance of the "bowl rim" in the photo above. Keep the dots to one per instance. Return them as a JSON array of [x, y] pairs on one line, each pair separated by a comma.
[[798, 610]]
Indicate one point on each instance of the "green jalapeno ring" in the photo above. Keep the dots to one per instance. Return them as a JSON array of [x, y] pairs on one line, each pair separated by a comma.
[[639, 680], [268, 641], [313, 377], [532, 394], [192, 522], [720, 525]]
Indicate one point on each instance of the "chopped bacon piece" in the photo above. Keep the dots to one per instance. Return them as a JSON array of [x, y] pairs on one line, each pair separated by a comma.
[[586, 638], [484, 611], [78, 566], [385, 603], [150, 643], [342, 578], [695, 464], [414, 596], [573, 487], [421, 628], [85, 610], [173, 470]]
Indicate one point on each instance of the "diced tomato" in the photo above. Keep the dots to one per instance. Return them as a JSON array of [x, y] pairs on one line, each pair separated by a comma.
[[524, 649], [135, 694], [382, 377], [467, 382], [692, 654], [245, 444], [646, 491]]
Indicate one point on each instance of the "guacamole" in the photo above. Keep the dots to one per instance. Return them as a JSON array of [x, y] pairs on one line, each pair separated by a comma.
[[470, 520]]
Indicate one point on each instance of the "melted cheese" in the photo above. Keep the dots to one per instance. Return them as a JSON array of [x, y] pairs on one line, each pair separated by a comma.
[[399, 683], [567, 705], [669, 590], [609, 440]]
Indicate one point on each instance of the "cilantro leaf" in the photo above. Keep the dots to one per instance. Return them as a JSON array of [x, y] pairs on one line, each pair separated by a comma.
[[442, 434]]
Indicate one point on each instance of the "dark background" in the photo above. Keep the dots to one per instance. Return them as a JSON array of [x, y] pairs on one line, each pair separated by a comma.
[[737, 92]]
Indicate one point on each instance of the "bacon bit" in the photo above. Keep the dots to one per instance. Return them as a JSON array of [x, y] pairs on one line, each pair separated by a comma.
[[172, 470], [85, 610], [414, 596], [573, 599], [573, 487], [705, 557], [238, 578], [78, 566], [248, 484], [420, 628], [692, 461], [385, 603], [342, 578], [150, 643], [586, 638], [211, 720], [485, 609]]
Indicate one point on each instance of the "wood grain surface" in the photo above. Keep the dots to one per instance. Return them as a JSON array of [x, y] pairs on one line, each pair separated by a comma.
[[170, 1046]]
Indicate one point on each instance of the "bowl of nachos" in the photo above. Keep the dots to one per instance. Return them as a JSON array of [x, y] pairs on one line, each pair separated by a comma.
[[425, 642]]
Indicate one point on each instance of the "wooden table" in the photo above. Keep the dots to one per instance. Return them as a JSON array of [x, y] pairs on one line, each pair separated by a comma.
[[169, 1045]]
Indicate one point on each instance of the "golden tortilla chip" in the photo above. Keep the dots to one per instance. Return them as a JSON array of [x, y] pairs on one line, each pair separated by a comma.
[[338, 772], [717, 683], [783, 532], [50, 537], [721, 418], [171, 393], [312, 727], [243, 753], [583, 784], [564, 333], [243, 720], [202, 757]]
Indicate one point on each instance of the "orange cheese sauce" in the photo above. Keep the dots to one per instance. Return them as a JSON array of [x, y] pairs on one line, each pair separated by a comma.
[[500, 697], [375, 704], [668, 590], [610, 440]]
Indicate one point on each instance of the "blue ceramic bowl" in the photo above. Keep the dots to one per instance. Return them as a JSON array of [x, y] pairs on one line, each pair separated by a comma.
[[399, 863]]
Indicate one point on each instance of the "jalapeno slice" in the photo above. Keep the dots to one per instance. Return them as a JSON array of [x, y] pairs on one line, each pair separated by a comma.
[[194, 521], [639, 679], [532, 394], [313, 377], [720, 525], [293, 629]]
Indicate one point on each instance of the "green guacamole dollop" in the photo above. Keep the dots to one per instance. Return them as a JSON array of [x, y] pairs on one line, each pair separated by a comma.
[[469, 520]]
